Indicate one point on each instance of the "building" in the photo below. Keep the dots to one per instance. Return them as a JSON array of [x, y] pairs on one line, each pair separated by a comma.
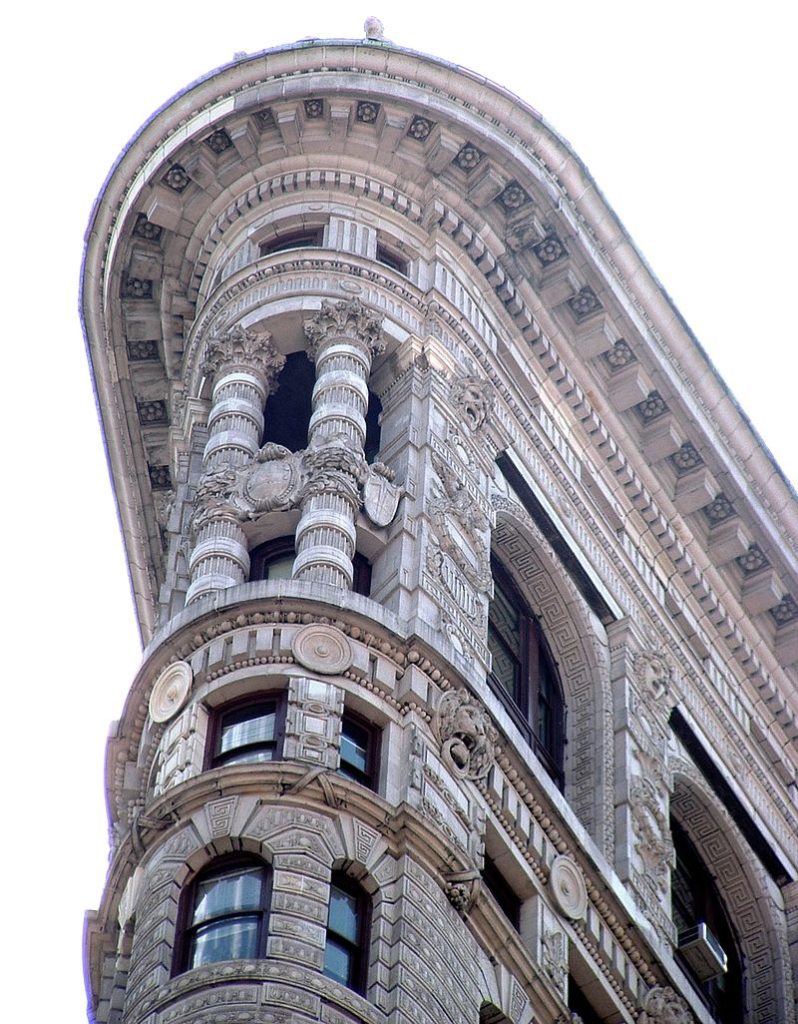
[[468, 594]]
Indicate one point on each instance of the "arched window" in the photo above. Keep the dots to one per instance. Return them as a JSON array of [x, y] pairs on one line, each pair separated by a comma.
[[523, 674], [346, 946], [706, 944], [224, 913], [274, 560]]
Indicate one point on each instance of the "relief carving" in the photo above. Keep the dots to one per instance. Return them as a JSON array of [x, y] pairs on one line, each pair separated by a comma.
[[654, 674], [568, 888], [351, 319], [170, 691], [462, 889], [652, 837], [663, 1006], [277, 480], [554, 958], [467, 735], [459, 556], [473, 399], [246, 350]]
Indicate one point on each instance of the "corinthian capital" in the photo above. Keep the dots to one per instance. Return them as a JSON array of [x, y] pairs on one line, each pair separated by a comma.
[[240, 349], [350, 319]]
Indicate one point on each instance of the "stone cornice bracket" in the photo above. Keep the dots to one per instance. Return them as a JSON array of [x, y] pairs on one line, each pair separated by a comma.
[[351, 320], [244, 351]]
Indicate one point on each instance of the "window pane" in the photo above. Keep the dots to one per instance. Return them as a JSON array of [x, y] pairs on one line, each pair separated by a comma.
[[506, 669], [250, 756], [248, 726], [239, 890], [337, 961], [280, 568], [354, 745], [343, 914], [230, 939]]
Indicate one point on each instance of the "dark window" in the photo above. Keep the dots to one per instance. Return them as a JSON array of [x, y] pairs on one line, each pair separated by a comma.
[[247, 732], [523, 674], [274, 560], [310, 238], [578, 1003], [225, 914], [359, 750], [501, 890], [347, 930], [695, 901], [288, 409], [391, 258], [371, 445]]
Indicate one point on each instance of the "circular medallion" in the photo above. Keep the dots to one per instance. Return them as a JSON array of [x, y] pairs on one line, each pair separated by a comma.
[[322, 649], [170, 691], [568, 887]]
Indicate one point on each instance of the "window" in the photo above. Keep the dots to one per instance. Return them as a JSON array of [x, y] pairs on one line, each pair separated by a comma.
[[501, 890], [247, 732], [225, 913], [347, 929], [274, 560], [288, 409], [695, 902], [309, 238], [523, 674], [359, 750], [391, 259], [579, 1004]]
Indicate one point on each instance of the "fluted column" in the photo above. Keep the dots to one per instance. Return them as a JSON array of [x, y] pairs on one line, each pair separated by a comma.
[[244, 365], [343, 339]]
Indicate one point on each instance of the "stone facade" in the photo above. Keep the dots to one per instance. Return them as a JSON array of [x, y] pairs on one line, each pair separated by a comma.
[[505, 436]]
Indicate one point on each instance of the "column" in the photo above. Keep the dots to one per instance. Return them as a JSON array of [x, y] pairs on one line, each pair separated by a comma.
[[244, 366], [342, 340]]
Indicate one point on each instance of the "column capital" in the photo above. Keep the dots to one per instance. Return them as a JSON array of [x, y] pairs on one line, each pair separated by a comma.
[[244, 350], [351, 320]]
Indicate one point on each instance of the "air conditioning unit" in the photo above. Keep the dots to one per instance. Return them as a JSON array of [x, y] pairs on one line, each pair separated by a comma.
[[702, 952]]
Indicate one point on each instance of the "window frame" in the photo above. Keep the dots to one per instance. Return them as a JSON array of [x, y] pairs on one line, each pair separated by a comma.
[[370, 776], [216, 758], [358, 967], [724, 1006], [534, 664], [187, 929], [263, 555]]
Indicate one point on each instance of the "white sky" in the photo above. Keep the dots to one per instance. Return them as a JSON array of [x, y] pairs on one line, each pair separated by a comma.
[[684, 113]]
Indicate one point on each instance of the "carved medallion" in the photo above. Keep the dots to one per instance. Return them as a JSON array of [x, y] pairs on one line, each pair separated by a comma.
[[170, 691], [273, 480], [322, 649], [568, 887], [467, 735]]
